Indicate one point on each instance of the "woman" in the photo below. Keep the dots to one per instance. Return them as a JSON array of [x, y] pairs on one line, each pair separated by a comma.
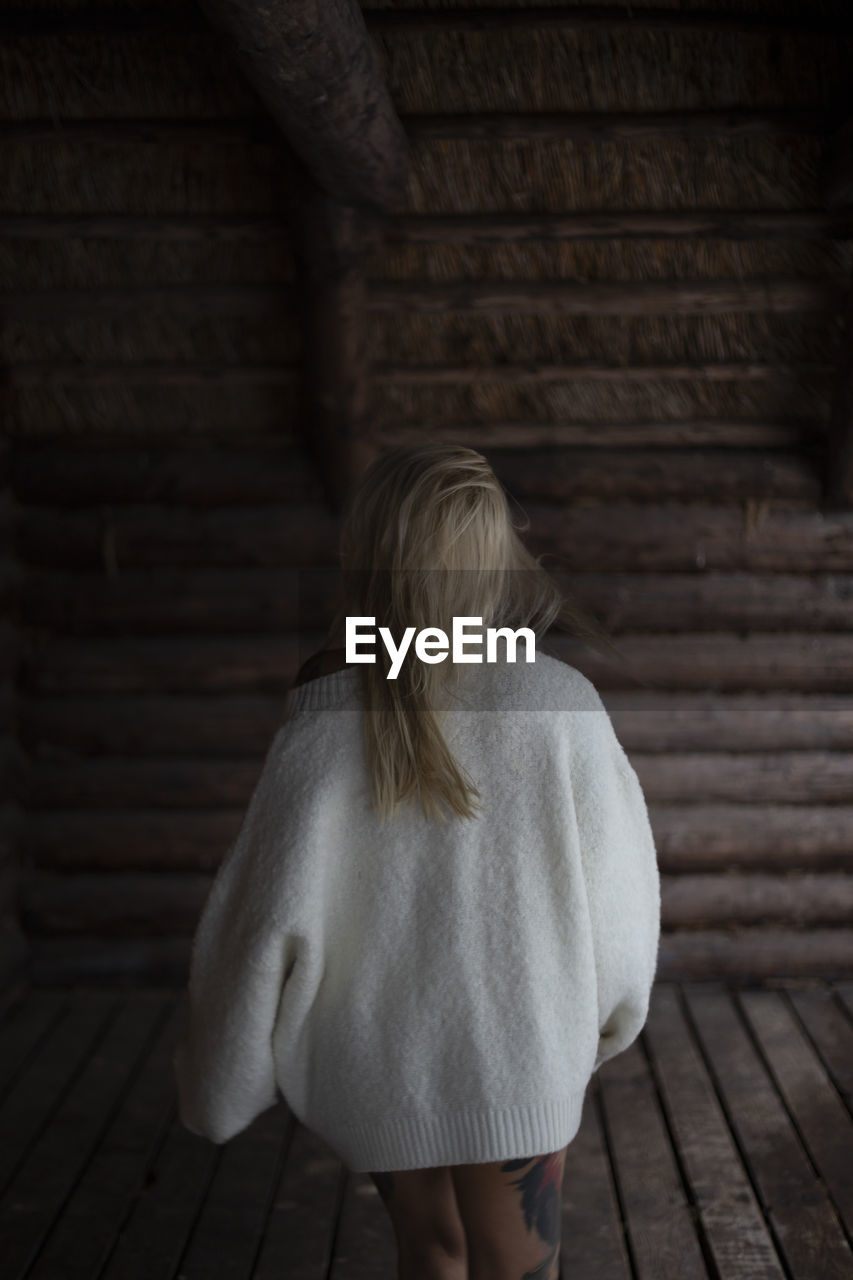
[[442, 912]]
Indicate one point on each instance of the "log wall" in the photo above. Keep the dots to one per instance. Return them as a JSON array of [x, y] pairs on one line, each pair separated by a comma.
[[622, 288]]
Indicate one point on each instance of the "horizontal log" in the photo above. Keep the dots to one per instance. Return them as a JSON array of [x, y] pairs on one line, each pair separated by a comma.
[[698, 535], [659, 721], [165, 602], [117, 904], [609, 17], [609, 298], [55, 962], [130, 840], [152, 725], [182, 300], [711, 433], [169, 783], [151, 904], [257, 129], [462, 297], [204, 476], [748, 955], [788, 777], [741, 956], [533, 372], [712, 601], [793, 900], [204, 227], [101, 20], [729, 475], [623, 224], [93, 375], [448, 228], [244, 724], [821, 663], [624, 126], [796, 777], [249, 664], [279, 534], [505, 126], [211, 477], [793, 662], [689, 838], [770, 536]]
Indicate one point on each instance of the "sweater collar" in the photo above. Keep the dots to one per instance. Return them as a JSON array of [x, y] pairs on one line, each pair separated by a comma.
[[324, 691]]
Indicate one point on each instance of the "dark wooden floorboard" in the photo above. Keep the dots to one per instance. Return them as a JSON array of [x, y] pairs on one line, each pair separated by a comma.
[[81, 1242], [365, 1247], [658, 1217], [593, 1240], [800, 1215], [48, 1174], [715, 1146], [729, 1214], [21, 1030], [153, 1239], [227, 1235], [302, 1220], [30, 1103], [831, 1031], [821, 1117]]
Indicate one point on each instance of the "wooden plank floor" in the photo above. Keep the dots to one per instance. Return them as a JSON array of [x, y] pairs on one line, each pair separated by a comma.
[[720, 1144]]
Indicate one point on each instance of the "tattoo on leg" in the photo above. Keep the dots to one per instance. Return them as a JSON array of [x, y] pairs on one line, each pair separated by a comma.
[[541, 1187], [384, 1183], [543, 1271]]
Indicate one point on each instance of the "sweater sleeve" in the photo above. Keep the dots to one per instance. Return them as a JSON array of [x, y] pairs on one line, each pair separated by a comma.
[[223, 1059], [622, 880]]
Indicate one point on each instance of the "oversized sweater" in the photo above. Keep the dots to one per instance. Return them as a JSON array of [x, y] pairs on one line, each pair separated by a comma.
[[427, 993]]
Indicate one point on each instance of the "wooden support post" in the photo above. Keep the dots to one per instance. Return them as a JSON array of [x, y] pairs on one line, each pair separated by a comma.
[[838, 486], [838, 197], [314, 65], [329, 241]]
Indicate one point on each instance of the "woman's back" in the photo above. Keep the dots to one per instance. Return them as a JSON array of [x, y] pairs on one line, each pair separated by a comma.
[[447, 983]]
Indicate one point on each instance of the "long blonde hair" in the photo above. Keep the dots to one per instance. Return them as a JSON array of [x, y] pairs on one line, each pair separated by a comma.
[[428, 536]]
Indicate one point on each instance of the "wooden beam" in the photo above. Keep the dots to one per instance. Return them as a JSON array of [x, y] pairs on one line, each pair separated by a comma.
[[596, 297], [451, 228], [424, 297], [93, 375], [582, 17], [315, 66], [620, 126], [329, 240], [569, 126], [100, 19], [625, 224], [692, 531]]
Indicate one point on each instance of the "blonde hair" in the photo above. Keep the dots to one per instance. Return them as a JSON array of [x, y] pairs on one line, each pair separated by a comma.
[[428, 536]]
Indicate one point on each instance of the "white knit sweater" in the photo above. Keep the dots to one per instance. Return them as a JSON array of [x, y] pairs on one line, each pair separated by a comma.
[[427, 994]]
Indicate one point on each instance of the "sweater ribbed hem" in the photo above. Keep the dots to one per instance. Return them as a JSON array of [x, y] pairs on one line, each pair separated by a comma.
[[460, 1137]]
